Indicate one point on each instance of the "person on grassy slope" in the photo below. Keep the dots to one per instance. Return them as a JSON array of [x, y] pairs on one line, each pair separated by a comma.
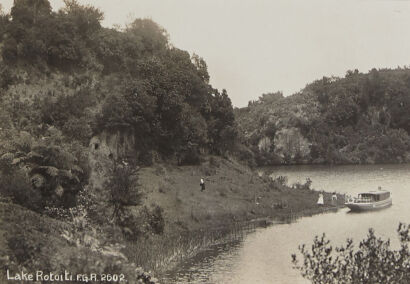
[[202, 184]]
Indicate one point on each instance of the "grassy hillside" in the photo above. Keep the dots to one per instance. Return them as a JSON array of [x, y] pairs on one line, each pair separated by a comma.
[[233, 193], [361, 118]]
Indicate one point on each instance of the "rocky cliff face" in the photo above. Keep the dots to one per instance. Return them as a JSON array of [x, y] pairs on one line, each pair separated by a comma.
[[114, 145], [290, 144], [107, 147]]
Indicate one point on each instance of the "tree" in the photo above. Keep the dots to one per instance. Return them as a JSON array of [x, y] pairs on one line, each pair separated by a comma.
[[147, 36], [123, 189], [28, 12], [399, 110], [201, 67], [85, 18], [221, 126]]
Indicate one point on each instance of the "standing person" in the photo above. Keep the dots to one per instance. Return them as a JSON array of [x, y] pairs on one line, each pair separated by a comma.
[[320, 200], [202, 184], [334, 199]]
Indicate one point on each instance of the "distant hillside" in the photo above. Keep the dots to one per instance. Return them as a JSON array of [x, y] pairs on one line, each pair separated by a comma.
[[359, 119]]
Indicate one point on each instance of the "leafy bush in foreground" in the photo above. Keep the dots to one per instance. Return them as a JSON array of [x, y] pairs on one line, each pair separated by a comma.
[[15, 185], [373, 262]]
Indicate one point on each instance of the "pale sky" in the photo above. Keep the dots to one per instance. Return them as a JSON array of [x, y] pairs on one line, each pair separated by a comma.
[[259, 46]]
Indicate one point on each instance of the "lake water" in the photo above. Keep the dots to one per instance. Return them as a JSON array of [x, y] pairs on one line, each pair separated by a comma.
[[264, 256]]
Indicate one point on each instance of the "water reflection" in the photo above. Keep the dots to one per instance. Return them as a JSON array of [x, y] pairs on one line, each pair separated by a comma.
[[201, 268]]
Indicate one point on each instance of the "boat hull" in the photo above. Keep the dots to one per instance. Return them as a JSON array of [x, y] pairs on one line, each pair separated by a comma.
[[369, 206]]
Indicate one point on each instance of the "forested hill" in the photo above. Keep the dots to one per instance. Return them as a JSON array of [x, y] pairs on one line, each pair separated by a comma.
[[362, 118], [64, 79]]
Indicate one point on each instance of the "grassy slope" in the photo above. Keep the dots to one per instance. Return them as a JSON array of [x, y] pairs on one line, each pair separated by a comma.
[[230, 194]]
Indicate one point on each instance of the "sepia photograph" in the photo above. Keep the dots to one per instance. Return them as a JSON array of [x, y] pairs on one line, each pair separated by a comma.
[[205, 141]]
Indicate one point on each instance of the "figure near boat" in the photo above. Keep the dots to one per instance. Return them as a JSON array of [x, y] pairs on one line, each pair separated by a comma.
[[320, 200]]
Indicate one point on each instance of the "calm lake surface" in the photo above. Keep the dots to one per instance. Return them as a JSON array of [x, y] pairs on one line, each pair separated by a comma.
[[264, 256]]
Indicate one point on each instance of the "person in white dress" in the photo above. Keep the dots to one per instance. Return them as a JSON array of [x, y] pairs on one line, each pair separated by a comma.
[[320, 200]]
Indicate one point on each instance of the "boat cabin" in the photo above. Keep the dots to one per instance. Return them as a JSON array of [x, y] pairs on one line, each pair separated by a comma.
[[371, 200], [373, 196]]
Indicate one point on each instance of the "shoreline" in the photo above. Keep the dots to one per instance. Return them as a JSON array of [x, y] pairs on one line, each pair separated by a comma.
[[248, 226], [329, 165], [332, 164]]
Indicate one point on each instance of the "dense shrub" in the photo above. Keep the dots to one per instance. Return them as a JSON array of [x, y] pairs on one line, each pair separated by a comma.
[[124, 197], [373, 262], [42, 172], [245, 155], [279, 182], [14, 184], [136, 223], [123, 189], [25, 250], [157, 222], [6, 77], [189, 157]]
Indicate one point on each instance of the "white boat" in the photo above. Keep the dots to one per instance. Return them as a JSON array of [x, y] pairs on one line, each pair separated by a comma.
[[372, 200]]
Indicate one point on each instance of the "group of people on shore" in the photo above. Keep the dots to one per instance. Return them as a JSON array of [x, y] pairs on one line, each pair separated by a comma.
[[320, 200]]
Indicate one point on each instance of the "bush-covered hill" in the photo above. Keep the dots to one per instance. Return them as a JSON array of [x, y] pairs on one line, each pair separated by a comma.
[[64, 79], [67, 82], [361, 118]]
